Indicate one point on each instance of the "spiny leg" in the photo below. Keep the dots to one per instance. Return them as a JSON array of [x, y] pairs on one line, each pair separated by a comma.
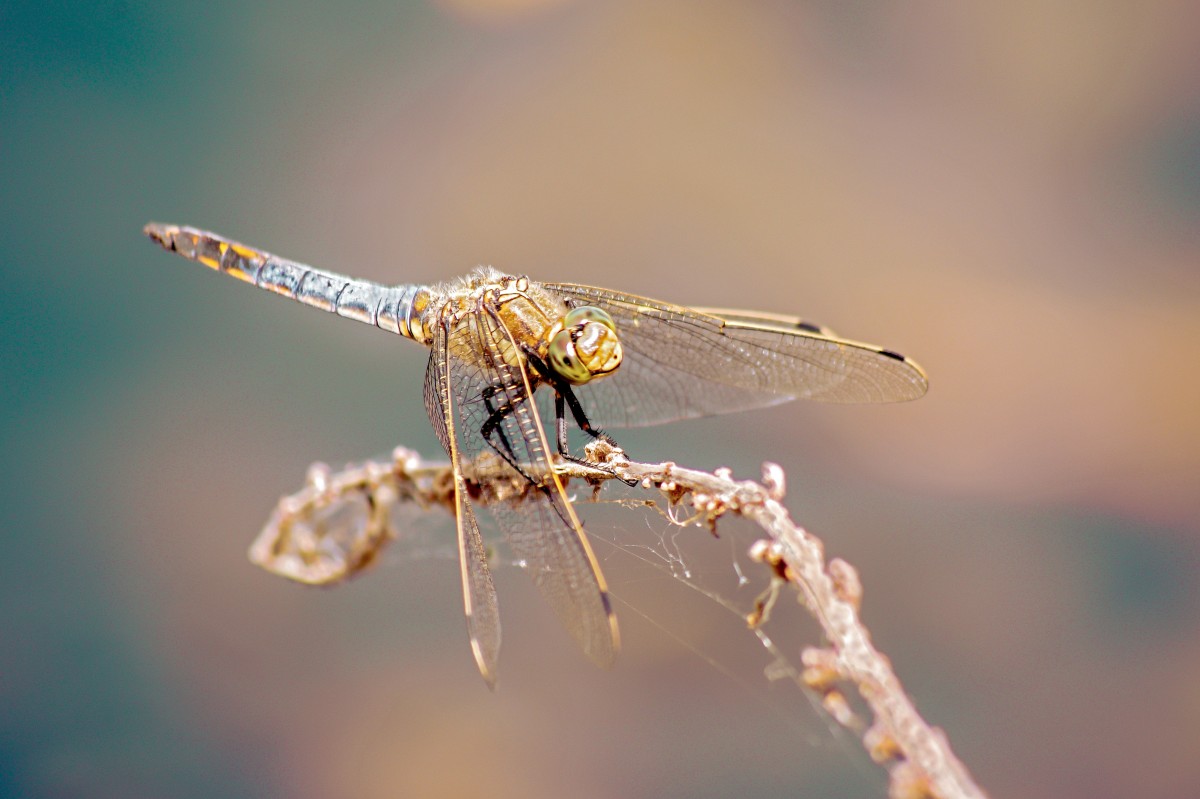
[[493, 425], [568, 398], [495, 417]]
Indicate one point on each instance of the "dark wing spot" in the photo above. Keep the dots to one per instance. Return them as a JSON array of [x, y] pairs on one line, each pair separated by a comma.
[[809, 327], [891, 354]]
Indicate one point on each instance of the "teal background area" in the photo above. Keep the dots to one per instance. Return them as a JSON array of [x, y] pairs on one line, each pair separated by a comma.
[[1009, 193]]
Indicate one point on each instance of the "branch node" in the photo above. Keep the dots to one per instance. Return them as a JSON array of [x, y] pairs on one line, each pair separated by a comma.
[[821, 671], [774, 481], [909, 782], [846, 582], [771, 553], [317, 477], [881, 745], [836, 705]]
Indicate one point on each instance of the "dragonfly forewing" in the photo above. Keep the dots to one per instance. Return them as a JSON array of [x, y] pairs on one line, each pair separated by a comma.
[[683, 363]]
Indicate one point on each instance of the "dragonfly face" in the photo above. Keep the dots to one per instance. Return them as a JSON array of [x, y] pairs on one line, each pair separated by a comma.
[[496, 340], [583, 345]]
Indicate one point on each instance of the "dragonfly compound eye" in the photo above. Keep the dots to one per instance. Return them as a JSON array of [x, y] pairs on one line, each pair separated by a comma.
[[576, 317], [586, 347]]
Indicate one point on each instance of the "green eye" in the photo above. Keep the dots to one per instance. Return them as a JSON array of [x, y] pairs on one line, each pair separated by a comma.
[[565, 362], [583, 346], [588, 313]]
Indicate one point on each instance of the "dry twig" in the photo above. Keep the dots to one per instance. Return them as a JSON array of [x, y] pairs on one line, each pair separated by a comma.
[[337, 525]]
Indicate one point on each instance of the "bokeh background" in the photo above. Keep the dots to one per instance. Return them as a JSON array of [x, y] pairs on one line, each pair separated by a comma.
[[1009, 192]]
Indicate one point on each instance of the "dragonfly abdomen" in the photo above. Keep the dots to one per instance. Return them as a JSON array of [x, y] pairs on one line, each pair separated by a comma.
[[392, 308]]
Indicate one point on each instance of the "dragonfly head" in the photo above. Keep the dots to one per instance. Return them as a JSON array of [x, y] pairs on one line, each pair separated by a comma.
[[583, 345]]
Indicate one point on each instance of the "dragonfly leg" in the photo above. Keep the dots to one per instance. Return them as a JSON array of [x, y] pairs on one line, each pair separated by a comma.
[[560, 400], [581, 420], [492, 425]]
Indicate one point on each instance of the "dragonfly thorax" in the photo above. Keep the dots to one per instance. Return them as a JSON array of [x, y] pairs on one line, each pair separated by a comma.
[[583, 345]]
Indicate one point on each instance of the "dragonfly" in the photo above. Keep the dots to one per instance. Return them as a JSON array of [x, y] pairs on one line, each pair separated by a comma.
[[607, 359]]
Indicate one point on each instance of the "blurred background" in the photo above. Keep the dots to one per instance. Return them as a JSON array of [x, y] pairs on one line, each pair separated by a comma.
[[1009, 193]]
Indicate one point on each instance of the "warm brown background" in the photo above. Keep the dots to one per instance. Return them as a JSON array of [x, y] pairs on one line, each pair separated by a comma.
[[1008, 192]]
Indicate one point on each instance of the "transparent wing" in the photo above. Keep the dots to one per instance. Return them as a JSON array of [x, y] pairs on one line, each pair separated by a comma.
[[540, 526], [683, 362], [479, 592]]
